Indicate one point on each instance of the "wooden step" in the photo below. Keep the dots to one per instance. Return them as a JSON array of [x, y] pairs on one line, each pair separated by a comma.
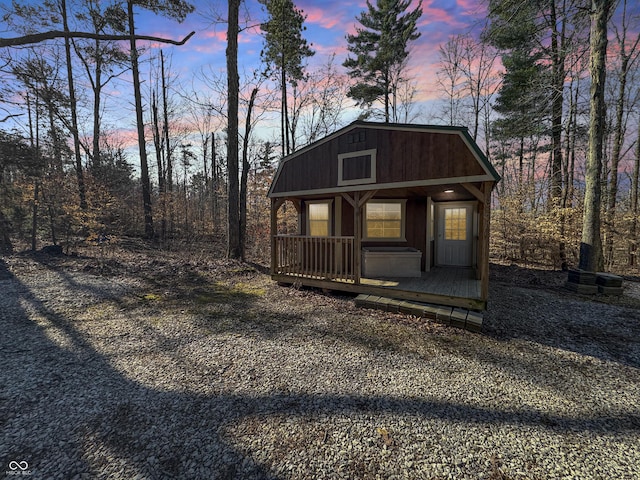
[[582, 288], [457, 317], [608, 280], [617, 291], [582, 277]]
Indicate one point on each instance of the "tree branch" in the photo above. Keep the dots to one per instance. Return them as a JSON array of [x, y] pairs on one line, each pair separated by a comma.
[[40, 37], [2, 120]]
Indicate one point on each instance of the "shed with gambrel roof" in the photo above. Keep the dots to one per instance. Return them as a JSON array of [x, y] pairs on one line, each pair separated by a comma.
[[388, 209]]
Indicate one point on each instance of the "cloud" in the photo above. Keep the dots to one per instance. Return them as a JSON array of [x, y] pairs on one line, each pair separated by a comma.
[[473, 7], [320, 16], [219, 35], [328, 50], [441, 15]]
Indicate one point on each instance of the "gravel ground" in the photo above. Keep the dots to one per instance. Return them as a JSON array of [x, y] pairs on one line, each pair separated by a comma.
[[151, 369]]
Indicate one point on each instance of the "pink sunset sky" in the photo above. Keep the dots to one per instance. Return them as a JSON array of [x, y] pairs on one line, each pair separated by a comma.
[[327, 24]]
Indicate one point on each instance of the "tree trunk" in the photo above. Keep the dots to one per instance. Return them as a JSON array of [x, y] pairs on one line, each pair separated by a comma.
[[34, 216], [157, 143], [233, 221], [625, 64], [5, 239], [557, 56], [245, 175], [214, 183], [144, 167], [591, 242], [567, 179], [558, 69], [165, 112], [615, 160], [97, 98], [74, 114], [386, 96], [58, 164], [285, 109]]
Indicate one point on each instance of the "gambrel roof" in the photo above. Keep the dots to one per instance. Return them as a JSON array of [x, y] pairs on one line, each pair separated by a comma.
[[367, 155]]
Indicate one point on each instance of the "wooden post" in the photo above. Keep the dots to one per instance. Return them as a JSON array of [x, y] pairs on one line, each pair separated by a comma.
[[274, 232], [357, 230], [483, 247], [480, 242], [427, 249], [276, 203]]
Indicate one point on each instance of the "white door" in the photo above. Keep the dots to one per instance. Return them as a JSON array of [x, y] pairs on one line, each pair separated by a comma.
[[455, 235]]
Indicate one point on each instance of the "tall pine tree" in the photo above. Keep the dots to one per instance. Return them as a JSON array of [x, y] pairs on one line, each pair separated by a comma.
[[521, 102], [284, 52], [379, 50]]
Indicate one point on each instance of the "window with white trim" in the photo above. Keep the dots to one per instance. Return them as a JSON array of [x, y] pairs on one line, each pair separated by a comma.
[[384, 220], [356, 168], [319, 218]]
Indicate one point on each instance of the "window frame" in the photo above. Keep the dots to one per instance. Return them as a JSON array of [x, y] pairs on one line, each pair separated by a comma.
[[358, 181], [329, 204], [403, 220]]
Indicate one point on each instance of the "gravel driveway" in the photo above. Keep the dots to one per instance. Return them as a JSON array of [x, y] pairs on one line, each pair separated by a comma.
[[209, 370]]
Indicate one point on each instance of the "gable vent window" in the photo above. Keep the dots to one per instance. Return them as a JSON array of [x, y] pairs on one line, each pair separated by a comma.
[[357, 168]]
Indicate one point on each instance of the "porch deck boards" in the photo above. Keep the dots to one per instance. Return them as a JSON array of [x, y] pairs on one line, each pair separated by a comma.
[[455, 287], [450, 281]]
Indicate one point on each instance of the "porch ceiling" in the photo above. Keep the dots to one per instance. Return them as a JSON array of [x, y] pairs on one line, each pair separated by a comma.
[[438, 193]]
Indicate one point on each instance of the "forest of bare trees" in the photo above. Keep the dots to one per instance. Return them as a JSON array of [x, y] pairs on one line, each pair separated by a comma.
[[538, 120], [527, 88]]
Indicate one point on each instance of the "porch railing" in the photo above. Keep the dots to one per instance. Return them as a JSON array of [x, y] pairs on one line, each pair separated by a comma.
[[315, 257]]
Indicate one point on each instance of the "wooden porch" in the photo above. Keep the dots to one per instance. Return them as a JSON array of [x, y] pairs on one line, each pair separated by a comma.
[[332, 263]]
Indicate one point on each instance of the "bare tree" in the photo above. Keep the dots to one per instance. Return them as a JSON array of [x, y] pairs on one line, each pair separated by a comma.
[[234, 247], [142, 148], [177, 9], [628, 53], [99, 57], [246, 166], [481, 82], [74, 110], [450, 77], [316, 105]]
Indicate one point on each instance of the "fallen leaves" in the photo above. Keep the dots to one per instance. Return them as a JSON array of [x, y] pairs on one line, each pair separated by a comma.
[[386, 437]]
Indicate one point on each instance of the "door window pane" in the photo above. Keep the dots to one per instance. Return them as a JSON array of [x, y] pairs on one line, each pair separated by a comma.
[[455, 223]]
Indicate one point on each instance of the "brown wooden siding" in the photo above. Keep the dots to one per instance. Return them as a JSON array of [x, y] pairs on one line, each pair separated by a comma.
[[402, 156]]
